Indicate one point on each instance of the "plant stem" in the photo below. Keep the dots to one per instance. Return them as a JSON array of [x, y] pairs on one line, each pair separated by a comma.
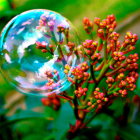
[[76, 107], [104, 69], [75, 102], [89, 120], [105, 51], [11, 4], [92, 73], [100, 43], [65, 97], [59, 48], [99, 67], [114, 71], [116, 89]]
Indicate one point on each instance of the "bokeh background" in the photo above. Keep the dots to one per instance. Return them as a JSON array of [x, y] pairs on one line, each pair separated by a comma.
[[25, 118]]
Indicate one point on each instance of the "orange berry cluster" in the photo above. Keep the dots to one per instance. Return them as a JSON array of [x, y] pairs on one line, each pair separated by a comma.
[[130, 39], [100, 96], [88, 25], [96, 56], [121, 77], [127, 63], [51, 84], [90, 46], [131, 61], [42, 46], [80, 91], [110, 81], [71, 45], [116, 66], [61, 28], [80, 72], [106, 26], [123, 92], [113, 37], [113, 45], [124, 83], [97, 99], [129, 82], [52, 101], [118, 56]]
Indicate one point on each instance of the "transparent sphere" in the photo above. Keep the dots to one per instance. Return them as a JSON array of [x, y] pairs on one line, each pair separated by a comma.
[[35, 46]]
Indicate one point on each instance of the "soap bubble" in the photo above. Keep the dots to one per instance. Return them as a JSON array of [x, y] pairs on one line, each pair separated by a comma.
[[35, 46]]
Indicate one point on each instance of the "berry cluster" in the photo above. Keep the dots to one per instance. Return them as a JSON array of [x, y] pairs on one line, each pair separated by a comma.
[[131, 61], [118, 56], [110, 81], [79, 72], [91, 50], [52, 101], [88, 25], [113, 43], [106, 26], [113, 37], [122, 92], [97, 99], [117, 67], [44, 47], [108, 70], [52, 78], [89, 46], [130, 39], [46, 20], [61, 28], [96, 56], [129, 81], [71, 47], [80, 91]]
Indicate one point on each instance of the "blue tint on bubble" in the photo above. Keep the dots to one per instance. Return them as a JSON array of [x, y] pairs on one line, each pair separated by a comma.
[[34, 51]]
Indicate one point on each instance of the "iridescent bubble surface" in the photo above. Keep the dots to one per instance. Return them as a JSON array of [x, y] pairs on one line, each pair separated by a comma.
[[35, 46]]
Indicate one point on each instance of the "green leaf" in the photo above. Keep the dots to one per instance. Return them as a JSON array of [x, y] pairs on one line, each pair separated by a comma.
[[130, 132], [21, 114], [137, 91], [3, 111], [32, 102], [126, 135], [33, 137], [118, 103], [50, 137], [64, 119]]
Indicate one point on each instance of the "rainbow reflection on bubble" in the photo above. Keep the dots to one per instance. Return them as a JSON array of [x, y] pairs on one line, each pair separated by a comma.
[[35, 46]]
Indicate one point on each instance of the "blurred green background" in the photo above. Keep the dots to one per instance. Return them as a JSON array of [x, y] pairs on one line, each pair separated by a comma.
[[25, 117]]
